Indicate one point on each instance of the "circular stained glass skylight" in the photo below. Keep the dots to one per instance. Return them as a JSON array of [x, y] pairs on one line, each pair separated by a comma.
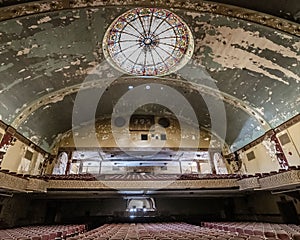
[[148, 42]]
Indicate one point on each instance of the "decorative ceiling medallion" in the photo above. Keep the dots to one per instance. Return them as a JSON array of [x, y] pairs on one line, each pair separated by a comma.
[[148, 42]]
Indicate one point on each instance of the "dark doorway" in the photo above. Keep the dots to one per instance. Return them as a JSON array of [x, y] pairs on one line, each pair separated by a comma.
[[288, 212], [50, 214]]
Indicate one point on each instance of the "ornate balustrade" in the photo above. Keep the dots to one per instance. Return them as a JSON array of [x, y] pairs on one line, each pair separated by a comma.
[[144, 185], [249, 183], [282, 180]]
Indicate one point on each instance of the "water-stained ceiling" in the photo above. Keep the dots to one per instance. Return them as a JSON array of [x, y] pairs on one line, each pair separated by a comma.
[[247, 61]]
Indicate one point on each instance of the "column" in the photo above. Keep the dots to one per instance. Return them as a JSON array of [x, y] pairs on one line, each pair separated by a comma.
[[68, 168], [211, 161]]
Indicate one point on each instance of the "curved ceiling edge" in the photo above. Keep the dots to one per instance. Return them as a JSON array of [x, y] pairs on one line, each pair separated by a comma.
[[60, 94], [36, 7]]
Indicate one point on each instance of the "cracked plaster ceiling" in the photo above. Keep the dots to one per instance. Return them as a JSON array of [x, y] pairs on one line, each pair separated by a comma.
[[253, 68]]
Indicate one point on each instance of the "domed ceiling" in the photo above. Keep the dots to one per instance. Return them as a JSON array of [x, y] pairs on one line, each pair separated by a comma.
[[244, 64]]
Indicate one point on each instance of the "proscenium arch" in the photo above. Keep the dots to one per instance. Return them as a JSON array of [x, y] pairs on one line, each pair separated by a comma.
[[55, 145], [150, 203]]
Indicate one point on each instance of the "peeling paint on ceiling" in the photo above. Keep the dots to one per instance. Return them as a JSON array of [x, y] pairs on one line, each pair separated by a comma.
[[53, 52]]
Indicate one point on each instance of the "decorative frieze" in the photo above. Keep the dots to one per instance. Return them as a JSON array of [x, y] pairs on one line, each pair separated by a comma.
[[285, 180], [164, 184], [250, 183], [36, 185], [11, 182], [75, 184]]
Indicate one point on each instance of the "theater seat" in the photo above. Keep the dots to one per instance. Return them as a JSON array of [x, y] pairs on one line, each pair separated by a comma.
[[296, 236]]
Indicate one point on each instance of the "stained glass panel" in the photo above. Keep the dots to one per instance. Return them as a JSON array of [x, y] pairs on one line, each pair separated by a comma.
[[148, 42]]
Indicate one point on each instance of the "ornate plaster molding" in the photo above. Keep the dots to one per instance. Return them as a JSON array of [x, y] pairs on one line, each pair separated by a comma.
[[286, 179], [36, 7], [250, 183]]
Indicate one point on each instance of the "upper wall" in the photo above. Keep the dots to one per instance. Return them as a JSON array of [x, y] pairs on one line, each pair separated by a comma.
[[22, 159], [290, 142], [264, 158], [262, 161], [20, 156]]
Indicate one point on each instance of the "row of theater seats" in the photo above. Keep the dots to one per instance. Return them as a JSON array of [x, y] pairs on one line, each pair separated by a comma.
[[153, 231], [153, 177], [55, 232], [157, 231], [262, 230], [138, 177], [145, 177], [184, 231]]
